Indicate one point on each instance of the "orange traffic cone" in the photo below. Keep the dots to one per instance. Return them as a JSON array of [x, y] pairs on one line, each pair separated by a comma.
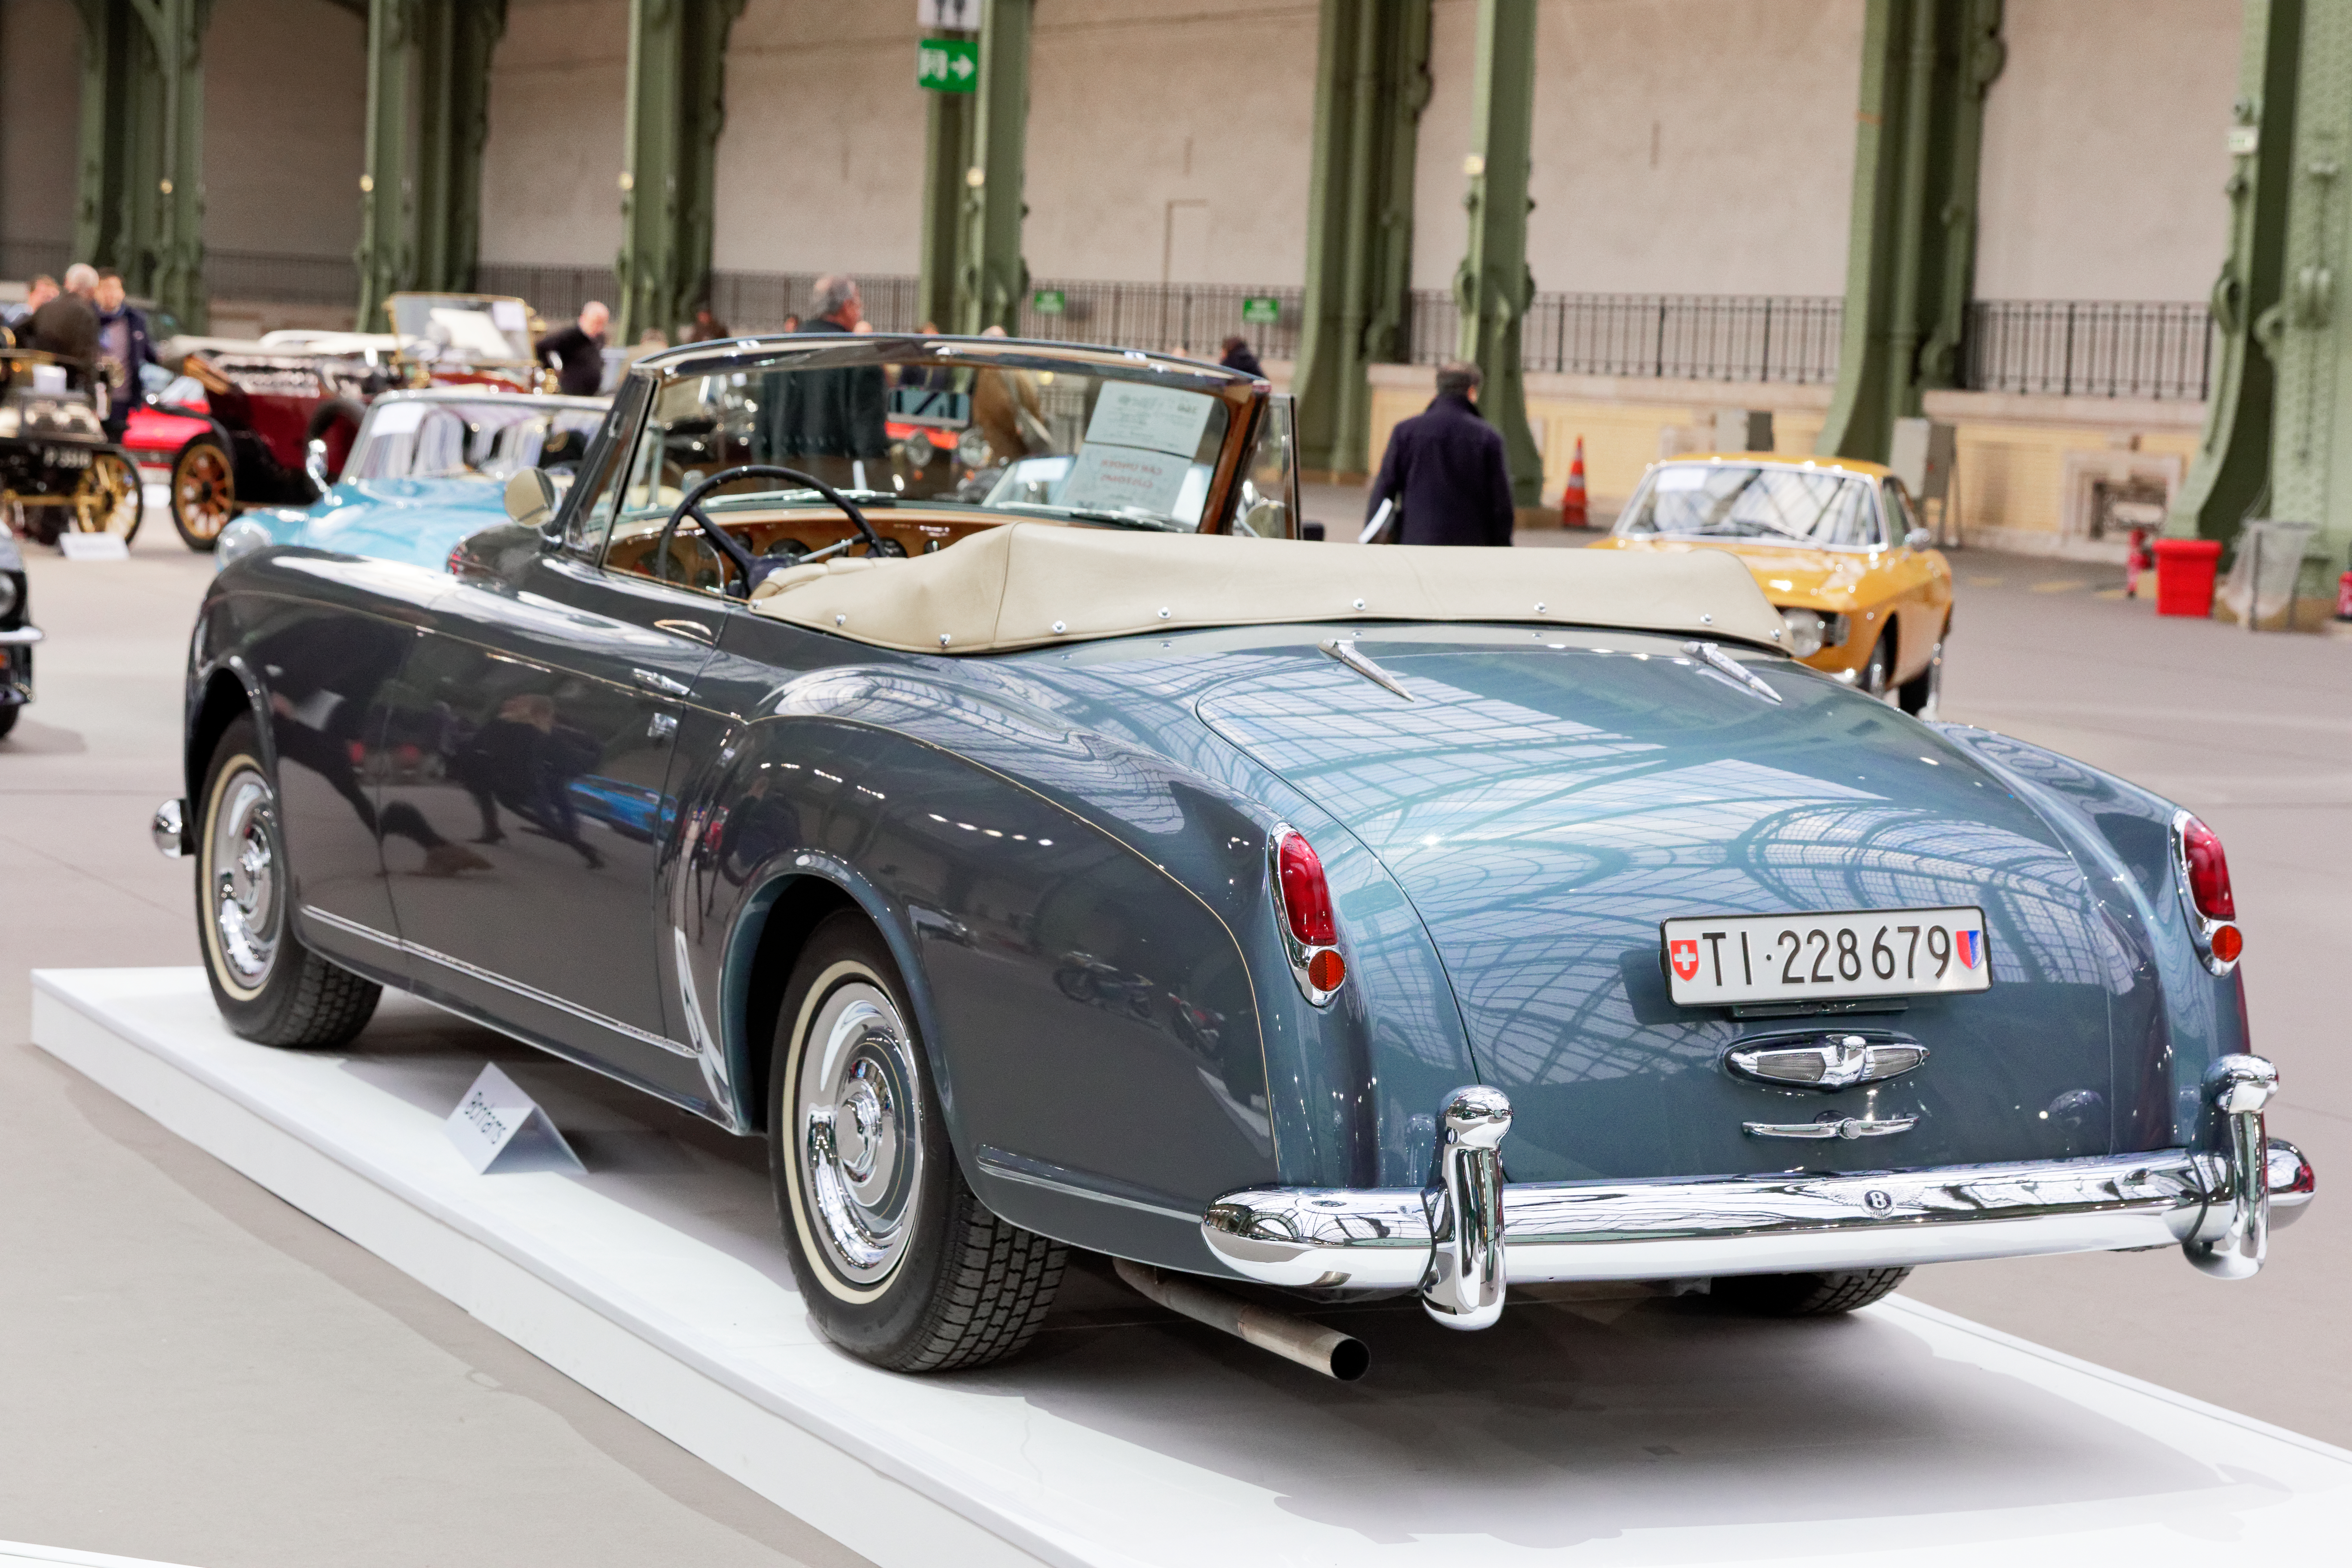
[[1571, 499]]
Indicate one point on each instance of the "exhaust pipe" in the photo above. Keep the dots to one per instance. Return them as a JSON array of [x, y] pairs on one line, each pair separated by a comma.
[[1326, 1351]]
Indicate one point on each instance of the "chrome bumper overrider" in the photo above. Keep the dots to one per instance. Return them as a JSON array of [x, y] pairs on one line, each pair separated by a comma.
[[1459, 1241]]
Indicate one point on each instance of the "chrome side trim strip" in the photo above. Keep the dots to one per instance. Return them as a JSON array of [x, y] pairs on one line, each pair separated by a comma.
[[1005, 1165], [491, 977]]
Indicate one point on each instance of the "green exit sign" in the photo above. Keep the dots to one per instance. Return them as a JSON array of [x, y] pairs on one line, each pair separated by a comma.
[[947, 64], [1261, 310], [1049, 302]]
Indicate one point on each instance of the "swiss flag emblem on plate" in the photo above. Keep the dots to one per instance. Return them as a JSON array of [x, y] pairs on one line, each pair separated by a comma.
[[1684, 955]]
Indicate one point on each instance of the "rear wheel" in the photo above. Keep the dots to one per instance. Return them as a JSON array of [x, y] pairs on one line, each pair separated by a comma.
[[269, 987], [897, 1260], [1806, 1294], [108, 499], [203, 492]]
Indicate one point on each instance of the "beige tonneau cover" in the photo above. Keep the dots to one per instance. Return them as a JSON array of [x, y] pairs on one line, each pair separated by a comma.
[[1029, 584]]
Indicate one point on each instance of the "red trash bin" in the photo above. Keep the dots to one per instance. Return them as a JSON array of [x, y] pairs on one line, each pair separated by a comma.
[[2184, 576]]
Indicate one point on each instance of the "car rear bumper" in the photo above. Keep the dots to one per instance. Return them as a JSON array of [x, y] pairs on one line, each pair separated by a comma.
[[1794, 1222]]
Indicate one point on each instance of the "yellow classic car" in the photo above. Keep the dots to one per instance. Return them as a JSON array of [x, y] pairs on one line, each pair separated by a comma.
[[1834, 543]]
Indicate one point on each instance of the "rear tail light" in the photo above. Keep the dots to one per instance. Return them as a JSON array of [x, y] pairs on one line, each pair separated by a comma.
[[2209, 871], [2204, 872], [1302, 897]]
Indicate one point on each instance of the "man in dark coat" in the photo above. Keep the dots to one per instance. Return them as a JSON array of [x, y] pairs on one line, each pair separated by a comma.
[[1446, 471], [830, 423], [124, 350], [577, 352]]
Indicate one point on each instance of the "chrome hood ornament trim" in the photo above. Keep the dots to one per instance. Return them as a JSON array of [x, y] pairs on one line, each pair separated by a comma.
[[1829, 1125], [1712, 656], [1839, 1059]]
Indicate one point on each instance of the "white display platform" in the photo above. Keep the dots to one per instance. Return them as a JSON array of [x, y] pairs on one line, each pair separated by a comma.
[[1657, 1432]]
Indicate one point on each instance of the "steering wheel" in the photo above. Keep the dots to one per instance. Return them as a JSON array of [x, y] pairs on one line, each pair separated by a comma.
[[753, 568]]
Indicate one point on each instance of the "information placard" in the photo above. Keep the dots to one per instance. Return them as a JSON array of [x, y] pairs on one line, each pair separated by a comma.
[[497, 1126]]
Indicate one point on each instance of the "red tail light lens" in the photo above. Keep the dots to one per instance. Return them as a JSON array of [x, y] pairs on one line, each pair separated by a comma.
[[1306, 897], [2209, 872]]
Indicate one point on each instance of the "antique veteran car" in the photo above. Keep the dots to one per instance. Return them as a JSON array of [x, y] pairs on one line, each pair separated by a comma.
[[59, 472], [426, 470], [1075, 859], [17, 633], [1835, 546]]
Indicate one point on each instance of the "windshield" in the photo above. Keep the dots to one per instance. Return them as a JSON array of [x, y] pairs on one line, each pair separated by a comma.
[[494, 437], [1746, 500], [474, 328], [1084, 443]]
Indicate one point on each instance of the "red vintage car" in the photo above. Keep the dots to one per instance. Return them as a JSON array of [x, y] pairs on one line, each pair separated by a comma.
[[269, 422]]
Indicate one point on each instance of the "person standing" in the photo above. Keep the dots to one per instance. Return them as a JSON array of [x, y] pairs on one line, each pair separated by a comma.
[[1238, 356], [1446, 471], [67, 325], [37, 293], [577, 352], [123, 350], [830, 421]]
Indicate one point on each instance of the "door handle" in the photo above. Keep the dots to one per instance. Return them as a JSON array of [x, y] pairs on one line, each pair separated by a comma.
[[663, 727], [654, 680]]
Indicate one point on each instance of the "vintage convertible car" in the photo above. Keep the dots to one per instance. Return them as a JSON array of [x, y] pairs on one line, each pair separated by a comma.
[[17, 633], [1834, 543], [57, 470], [1077, 858], [426, 470]]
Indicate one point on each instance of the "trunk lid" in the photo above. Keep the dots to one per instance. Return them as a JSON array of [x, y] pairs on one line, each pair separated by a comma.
[[1545, 805]]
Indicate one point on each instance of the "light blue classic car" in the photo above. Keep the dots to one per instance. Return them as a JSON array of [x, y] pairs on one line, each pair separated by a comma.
[[425, 473]]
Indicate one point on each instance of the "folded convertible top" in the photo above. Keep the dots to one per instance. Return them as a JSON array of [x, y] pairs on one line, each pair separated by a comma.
[[1029, 585]]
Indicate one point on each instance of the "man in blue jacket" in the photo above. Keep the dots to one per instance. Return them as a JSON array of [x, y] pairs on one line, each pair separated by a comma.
[[1446, 471], [124, 348]]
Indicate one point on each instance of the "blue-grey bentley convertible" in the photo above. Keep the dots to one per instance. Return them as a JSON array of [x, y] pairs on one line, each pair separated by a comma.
[[943, 759]]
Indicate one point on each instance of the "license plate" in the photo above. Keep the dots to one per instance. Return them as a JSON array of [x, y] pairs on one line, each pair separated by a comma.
[[1802, 958], [65, 456]]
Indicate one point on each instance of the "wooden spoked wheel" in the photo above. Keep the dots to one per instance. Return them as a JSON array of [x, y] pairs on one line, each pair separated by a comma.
[[203, 492], [108, 499]]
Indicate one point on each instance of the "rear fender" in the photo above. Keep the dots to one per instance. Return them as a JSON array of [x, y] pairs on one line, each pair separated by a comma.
[[2175, 1017]]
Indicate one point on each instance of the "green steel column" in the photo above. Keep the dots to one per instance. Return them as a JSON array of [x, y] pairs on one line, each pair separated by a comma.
[[1911, 254], [428, 114], [1493, 287], [2229, 479], [677, 58], [141, 207], [2309, 337], [1371, 82], [993, 278], [947, 154]]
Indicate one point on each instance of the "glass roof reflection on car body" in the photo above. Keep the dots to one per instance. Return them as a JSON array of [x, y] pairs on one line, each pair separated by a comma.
[[1770, 503], [1090, 436]]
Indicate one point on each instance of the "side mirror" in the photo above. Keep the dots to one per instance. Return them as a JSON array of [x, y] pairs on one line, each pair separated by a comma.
[[530, 498], [314, 463], [1918, 538]]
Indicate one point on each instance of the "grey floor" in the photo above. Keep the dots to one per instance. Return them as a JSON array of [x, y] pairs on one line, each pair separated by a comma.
[[197, 1372]]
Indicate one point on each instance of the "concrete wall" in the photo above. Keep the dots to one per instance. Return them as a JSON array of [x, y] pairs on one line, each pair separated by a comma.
[[1170, 142], [285, 127], [820, 167], [40, 109], [2104, 157], [552, 169], [1681, 146]]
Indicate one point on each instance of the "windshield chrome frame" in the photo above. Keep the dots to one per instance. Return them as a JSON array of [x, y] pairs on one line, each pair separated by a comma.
[[1869, 482]]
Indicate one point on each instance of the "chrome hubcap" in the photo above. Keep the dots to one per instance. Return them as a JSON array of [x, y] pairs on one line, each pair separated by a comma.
[[859, 1116], [244, 868]]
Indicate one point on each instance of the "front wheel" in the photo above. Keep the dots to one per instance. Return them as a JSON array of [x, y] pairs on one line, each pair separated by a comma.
[[1923, 694], [269, 987], [108, 499], [897, 1260], [203, 492], [1806, 1294]]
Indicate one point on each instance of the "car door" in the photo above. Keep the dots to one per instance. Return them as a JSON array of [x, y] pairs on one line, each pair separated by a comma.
[[534, 730]]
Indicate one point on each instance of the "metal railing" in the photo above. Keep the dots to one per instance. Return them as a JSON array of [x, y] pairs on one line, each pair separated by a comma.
[[1688, 337], [281, 279], [2088, 348], [21, 261], [555, 292], [1192, 319]]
